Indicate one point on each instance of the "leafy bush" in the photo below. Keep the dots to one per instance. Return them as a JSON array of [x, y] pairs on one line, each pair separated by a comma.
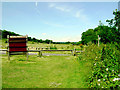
[[105, 68], [91, 52], [53, 47]]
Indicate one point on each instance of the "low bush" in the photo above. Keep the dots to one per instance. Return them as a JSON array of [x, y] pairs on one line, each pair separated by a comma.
[[105, 61], [53, 47], [105, 68]]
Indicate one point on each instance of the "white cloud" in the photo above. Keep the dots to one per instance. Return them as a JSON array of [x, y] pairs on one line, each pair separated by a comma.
[[43, 33], [82, 16], [63, 9], [58, 7], [51, 5], [77, 14]]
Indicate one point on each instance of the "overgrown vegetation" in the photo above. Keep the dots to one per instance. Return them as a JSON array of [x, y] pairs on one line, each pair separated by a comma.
[[105, 68], [105, 58]]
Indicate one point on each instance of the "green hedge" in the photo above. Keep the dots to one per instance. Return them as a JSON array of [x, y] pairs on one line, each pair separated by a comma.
[[105, 68]]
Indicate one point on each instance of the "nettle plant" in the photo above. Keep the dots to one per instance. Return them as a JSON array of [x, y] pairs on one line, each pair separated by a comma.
[[105, 72]]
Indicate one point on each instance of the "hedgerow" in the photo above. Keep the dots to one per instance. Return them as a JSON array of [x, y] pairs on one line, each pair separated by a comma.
[[105, 67]]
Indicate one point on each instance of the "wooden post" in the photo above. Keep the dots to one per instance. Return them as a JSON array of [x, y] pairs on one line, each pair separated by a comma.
[[26, 44], [40, 53], [8, 47], [98, 40], [74, 52]]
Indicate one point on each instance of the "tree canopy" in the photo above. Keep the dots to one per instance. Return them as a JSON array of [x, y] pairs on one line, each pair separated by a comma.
[[108, 34]]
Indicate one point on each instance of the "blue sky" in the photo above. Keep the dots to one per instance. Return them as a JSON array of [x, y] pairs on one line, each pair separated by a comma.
[[60, 21]]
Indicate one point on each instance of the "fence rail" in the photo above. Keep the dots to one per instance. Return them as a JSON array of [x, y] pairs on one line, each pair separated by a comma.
[[40, 51]]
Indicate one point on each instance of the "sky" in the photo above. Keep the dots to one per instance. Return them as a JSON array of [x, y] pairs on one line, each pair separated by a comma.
[[57, 21]]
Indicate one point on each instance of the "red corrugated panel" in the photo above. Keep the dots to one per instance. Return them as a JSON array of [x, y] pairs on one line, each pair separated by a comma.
[[17, 49], [17, 44]]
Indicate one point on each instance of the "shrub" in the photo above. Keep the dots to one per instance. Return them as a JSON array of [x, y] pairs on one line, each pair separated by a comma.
[[91, 52], [105, 68], [53, 47]]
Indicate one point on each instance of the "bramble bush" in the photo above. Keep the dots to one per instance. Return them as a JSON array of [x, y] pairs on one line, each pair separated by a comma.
[[105, 72]]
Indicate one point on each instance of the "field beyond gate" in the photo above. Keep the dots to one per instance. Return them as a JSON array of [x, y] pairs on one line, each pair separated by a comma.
[[44, 72]]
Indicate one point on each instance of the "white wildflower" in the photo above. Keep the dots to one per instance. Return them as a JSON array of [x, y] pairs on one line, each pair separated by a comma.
[[116, 79], [119, 75], [95, 64], [102, 87], [96, 56], [99, 84], [105, 75], [103, 79], [112, 70], [106, 69], [98, 80]]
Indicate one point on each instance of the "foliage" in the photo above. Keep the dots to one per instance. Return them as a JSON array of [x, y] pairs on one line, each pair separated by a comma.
[[116, 21], [53, 47], [5, 33], [48, 41], [108, 34], [88, 36], [105, 68], [91, 51]]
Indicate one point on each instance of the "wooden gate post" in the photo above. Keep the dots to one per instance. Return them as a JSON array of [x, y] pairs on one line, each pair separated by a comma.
[[8, 47], [74, 52]]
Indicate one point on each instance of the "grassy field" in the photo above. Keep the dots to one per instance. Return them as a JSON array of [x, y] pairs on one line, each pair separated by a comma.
[[45, 72]]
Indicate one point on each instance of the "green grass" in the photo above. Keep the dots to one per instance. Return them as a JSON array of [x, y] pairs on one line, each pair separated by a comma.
[[45, 72]]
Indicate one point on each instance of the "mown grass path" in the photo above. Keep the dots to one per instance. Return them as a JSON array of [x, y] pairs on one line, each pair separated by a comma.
[[44, 72]]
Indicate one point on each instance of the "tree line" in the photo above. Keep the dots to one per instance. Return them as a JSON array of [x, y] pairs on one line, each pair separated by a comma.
[[5, 33], [108, 33]]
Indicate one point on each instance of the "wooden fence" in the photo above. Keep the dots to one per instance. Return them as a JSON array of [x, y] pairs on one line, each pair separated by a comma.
[[73, 52]]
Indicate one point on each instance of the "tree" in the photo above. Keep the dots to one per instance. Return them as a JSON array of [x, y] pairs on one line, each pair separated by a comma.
[[48, 41], [5, 33], [88, 36], [29, 38]]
